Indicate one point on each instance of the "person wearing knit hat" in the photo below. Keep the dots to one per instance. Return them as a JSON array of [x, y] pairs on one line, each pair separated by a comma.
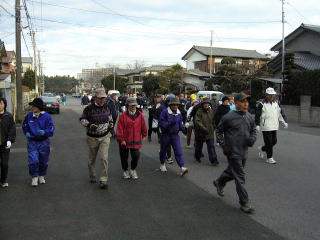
[[267, 118], [222, 110], [204, 127], [38, 127], [171, 124], [131, 131]]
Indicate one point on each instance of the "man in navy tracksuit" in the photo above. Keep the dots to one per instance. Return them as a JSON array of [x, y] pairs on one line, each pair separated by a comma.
[[38, 127]]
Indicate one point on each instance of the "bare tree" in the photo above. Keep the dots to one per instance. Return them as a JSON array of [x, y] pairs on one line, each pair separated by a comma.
[[137, 64]]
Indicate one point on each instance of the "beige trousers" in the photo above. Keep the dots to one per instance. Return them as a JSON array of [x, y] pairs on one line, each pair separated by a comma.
[[97, 145]]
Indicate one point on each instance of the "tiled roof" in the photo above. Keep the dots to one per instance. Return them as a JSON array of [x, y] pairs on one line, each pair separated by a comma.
[[3, 76], [228, 52], [307, 61], [158, 68], [196, 72]]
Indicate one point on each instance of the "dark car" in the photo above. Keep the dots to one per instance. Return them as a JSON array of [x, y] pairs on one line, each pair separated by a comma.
[[51, 104]]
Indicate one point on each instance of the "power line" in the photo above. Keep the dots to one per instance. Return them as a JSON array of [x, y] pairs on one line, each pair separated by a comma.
[[159, 35], [299, 13], [25, 43], [154, 18], [7, 11], [119, 14]]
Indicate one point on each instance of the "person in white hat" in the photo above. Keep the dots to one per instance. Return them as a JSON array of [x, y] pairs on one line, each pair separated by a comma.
[[268, 116]]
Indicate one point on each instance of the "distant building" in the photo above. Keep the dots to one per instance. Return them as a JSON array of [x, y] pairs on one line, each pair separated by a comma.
[[198, 57], [27, 63], [7, 71]]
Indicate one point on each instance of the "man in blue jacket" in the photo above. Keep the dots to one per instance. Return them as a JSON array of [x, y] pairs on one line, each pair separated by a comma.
[[38, 127], [171, 124]]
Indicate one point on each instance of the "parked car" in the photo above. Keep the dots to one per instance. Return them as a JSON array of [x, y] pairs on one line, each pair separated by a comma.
[[48, 95], [209, 93], [51, 104], [76, 95]]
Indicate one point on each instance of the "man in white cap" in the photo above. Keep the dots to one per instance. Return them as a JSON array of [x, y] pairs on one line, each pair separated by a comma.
[[268, 116], [97, 118]]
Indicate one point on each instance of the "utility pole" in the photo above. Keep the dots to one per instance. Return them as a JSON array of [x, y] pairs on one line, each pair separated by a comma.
[[211, 62], [114, 77], [19, 96], [35, 62], [283, 41], [40, 75]]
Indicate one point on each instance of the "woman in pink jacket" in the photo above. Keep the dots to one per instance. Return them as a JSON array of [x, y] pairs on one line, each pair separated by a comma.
[[131, 131]]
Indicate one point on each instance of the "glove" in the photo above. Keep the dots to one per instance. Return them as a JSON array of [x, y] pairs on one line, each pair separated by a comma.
[[113, 133], [184, 131], [8, 144], [41, 132], [258, 128], [285, 125], [93, 126], [28, 135]]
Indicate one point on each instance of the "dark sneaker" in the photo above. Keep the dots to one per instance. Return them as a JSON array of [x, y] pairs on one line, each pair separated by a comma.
[[93, 180], [103, 185], [198, 160], [246, 208], [219, 188], [215, 163]]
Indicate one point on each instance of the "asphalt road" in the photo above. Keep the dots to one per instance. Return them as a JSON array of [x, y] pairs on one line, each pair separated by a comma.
[[160, 206]]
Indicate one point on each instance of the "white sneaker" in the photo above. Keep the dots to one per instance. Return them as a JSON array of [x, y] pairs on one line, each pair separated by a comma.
[[184, 170], [261, 153], [134, 174], [35, 181], [163, 168], [126, 175], [169, 160], [271, 161], [189, 146], [4, 185], [42, 180]]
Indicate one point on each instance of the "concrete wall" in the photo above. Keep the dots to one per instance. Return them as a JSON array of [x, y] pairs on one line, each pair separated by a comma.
[[305, 113]]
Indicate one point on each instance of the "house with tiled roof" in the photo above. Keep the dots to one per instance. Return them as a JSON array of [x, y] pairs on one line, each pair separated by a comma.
[[7, 70], [304, 49], [198, 57]]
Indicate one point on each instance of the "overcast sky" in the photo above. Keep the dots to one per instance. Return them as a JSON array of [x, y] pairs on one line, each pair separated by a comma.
[[157, 32]]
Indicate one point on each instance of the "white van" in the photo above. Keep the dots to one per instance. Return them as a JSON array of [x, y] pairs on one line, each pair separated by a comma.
[[209, 93], [110, 92]]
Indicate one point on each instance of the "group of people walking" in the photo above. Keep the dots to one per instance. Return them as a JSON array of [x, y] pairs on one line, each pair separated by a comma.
[[234, 127]]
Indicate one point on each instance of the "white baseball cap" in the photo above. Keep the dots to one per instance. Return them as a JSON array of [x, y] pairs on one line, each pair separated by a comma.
[[271, 91]]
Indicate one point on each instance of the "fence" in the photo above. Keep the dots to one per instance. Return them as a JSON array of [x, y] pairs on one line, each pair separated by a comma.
[[305, 113], [28, 97]]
